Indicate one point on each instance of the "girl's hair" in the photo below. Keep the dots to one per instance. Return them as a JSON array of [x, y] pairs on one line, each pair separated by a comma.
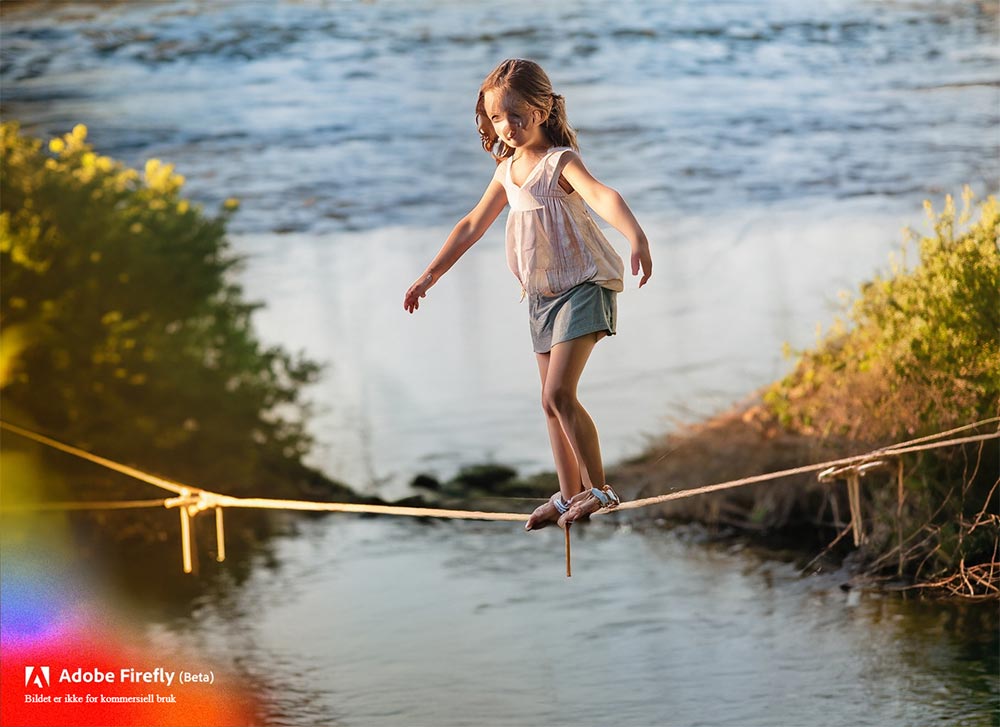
[[528, 82]]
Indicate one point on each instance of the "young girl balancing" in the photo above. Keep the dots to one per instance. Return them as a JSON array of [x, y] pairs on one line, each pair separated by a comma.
[[567, 268]]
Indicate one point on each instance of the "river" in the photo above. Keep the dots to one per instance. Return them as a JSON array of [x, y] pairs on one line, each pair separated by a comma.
[[379, 622], [772, 151]]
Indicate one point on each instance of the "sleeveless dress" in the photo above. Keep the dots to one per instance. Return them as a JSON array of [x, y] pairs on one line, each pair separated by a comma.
[[568, 270]]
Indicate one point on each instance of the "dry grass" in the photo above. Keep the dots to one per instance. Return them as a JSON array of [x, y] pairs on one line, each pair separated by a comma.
[[739, 443], [904, 540]]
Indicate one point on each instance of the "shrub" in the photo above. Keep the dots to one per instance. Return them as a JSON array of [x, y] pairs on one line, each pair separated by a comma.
[[922, 350], [124, 331], [919, 355]]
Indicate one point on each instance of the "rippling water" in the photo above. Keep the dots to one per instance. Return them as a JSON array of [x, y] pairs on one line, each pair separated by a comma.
[[330, 116], [772, 151], [477, 624]]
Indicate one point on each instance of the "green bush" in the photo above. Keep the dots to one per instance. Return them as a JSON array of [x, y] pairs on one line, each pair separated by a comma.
[[921, 351], [123, 330], [919, 354]]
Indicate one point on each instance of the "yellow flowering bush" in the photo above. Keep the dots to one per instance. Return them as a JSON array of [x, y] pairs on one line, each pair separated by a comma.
[[123, 327]]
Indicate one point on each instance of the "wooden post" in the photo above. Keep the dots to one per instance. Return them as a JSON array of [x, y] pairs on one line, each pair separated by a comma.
[[569, 572], [854, 498], [899, 513], [186, 538], [220, 536]]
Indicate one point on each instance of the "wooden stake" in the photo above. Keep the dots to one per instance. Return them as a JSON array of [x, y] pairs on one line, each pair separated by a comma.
[[854, 498], [569, 572], [899, 513], [220, 536], [186, 538]]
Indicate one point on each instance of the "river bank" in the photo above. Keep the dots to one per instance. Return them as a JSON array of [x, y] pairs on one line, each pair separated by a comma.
[[796, 517]]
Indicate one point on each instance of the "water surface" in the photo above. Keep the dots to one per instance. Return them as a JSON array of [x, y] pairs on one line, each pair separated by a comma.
[[387, 622], [772, 152]]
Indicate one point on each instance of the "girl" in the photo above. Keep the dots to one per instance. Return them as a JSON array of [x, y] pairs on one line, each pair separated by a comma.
[[567, 268]]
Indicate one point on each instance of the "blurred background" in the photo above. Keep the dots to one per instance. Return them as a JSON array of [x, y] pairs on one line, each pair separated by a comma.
[[773, 152]]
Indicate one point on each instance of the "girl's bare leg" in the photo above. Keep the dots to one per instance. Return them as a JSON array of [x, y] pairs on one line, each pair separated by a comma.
[[576, 447], [567, 467]]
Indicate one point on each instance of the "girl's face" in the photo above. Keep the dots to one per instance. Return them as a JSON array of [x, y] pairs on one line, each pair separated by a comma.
[[516, 123]]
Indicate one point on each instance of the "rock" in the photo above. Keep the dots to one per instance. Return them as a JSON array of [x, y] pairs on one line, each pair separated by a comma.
[[486, 477], [426, 482]]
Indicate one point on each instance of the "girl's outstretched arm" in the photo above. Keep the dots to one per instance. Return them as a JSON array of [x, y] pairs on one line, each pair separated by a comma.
[[609, 204], [467, 233]]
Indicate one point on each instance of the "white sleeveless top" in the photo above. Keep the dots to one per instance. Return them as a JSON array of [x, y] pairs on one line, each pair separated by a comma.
[[553, 243]]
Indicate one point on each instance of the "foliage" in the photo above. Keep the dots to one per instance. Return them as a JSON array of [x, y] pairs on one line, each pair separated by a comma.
[[124, 332], [923, 353]]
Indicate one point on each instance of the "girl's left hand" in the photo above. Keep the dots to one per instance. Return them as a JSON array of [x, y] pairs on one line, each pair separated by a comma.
[[642, 259], [411, 301]]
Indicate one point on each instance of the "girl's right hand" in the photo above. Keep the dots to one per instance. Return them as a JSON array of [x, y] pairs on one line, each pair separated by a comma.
[[411, 301]]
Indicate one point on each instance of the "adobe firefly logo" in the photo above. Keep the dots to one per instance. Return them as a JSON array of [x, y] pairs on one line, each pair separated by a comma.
[[36, 676]]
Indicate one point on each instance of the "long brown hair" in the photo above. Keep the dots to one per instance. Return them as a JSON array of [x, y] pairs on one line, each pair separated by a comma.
[[530, 84]]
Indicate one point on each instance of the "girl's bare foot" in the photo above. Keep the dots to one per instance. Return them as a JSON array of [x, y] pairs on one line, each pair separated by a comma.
[[547, 514], [588, 502]]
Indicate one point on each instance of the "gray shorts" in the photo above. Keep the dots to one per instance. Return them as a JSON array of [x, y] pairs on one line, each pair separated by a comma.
[[583, 309]]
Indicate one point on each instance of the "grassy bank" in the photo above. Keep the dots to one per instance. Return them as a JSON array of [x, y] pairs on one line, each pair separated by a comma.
[[916, 352]]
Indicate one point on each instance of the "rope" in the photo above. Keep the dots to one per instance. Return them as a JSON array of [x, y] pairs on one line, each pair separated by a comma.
[[260, 503], [88, 505], [201, 499], [893, 451], [104, 462], [193, 500], [956, 430]]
